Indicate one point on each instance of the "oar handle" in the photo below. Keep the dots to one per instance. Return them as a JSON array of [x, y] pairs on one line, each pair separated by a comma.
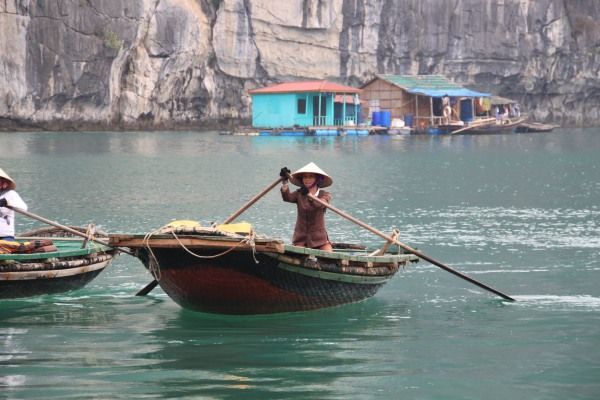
[[252, 201], [409, 249], [65, 228]]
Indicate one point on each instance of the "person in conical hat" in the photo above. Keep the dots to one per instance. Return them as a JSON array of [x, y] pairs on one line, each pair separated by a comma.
[[310, 221], [323, 180], [8, 196]]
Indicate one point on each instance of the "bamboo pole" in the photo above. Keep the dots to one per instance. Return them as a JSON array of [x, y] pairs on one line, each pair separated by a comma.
[[252, 201], [66, 228]]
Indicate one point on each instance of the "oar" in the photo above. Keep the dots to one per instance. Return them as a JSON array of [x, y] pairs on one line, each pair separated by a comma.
[[148, 288], [410, 249], [474, 124], [66, 228], [462, 129], [252, 201]]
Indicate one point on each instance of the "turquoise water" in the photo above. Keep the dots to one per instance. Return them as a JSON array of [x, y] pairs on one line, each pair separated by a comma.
[[519, 212]]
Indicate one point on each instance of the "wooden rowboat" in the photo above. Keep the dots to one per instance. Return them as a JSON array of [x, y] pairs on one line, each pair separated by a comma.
[[526, 127], [209, 270], [507, 125], [490, 126], [73, 265]]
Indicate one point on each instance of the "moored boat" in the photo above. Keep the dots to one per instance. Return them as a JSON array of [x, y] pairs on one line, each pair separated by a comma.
[[69, 263], [527, 127], [220, 271], [506, 125]]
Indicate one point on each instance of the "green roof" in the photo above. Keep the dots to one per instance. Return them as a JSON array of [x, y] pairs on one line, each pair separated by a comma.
[[430, 85], [420, 81]]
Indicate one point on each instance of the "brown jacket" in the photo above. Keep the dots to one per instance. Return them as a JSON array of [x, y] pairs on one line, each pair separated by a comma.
[[310, 222]]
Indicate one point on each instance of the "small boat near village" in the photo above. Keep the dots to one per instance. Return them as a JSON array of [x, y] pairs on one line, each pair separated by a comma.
[[229, 270], [528, 127], [53, 261], [497, 126], [503, 115]]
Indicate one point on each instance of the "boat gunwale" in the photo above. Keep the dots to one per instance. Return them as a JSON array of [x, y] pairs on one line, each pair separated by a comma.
[[339, 276], [54, 273], [91, 248], [366, 258], [261, 244]]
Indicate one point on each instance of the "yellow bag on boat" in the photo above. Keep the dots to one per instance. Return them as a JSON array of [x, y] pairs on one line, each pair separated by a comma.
[[8, 246], [242, 228], [35, 246], [182, 224]]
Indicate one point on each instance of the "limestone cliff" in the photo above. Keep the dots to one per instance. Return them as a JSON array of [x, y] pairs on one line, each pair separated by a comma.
[[74, 64]]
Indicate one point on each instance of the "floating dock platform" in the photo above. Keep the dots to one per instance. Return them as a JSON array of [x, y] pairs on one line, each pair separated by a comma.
[[310, 131]]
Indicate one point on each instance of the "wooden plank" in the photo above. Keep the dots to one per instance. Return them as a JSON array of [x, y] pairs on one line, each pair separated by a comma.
[[195, 242]]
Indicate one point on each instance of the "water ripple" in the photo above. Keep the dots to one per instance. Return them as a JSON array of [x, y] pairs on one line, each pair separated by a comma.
[[571, 303]]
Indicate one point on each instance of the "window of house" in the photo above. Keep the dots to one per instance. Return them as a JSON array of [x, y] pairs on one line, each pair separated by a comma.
[[301, 106]]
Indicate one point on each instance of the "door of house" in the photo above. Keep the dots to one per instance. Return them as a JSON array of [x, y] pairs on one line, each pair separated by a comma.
[[319, 118]]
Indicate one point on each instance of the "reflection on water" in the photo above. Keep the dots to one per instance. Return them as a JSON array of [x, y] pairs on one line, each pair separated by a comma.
[[157, 347], [16, 145], [295, 353]]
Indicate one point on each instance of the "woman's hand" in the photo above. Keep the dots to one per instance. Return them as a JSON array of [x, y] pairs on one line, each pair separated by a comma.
[[284, 173]]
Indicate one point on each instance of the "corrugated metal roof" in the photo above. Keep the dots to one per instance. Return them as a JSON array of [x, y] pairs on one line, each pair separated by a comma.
[[307, 86], [430, 85]]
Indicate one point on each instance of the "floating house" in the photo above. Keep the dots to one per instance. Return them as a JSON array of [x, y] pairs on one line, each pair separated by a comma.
[[312, 107], [427, 103]]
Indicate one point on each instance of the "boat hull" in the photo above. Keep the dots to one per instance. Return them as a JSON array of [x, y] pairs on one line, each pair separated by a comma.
[[504, 126], [21, 284], [529, 127], [235, 284], [71, 265]]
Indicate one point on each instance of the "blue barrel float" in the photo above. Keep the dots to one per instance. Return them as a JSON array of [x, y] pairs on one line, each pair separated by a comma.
[[466, 110], [408, 120], [326, 132], [385, 118], [376, 120]]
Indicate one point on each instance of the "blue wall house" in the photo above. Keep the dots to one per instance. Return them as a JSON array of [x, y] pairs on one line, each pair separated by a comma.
[[305, 104]]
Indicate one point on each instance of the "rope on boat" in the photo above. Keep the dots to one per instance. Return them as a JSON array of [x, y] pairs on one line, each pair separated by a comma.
[[90, 239], [247, 240], [154, 266]]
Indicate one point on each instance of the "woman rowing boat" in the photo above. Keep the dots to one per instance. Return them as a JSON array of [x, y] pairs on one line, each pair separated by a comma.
[[310, 222]]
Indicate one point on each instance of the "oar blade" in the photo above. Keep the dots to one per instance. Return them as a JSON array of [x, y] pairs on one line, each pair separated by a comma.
[[147, 289]]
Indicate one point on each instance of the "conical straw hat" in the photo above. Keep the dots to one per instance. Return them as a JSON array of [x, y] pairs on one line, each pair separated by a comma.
[[311, 168], [4, 175]]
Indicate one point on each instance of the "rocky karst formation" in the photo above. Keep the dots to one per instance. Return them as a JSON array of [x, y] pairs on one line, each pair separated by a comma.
[[75, 64]]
